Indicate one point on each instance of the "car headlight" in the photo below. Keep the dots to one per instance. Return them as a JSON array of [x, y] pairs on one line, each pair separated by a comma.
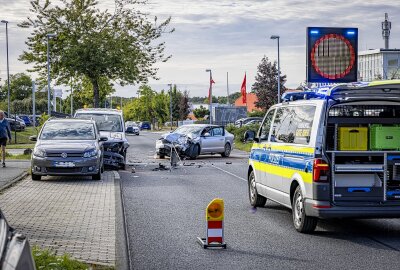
[[89, 154], [38, 152], [116, 136]]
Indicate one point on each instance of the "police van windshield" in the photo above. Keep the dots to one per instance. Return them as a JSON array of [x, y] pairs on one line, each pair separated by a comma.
[[104, 122]]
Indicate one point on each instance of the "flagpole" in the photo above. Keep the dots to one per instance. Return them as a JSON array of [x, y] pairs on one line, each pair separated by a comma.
[[227, 88], [245, 74], [210, 95]]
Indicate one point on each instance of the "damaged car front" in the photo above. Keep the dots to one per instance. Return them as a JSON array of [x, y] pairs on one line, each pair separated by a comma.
[[185, 140]]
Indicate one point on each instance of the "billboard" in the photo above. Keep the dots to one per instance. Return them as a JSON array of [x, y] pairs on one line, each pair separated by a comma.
[[332, 54]]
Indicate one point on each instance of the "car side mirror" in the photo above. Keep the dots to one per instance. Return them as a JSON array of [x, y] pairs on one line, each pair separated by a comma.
[[33, 138], [207, 134], [103, 139], [250, 136]]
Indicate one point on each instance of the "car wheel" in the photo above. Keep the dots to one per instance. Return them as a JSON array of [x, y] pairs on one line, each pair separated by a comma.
[[302, 223], [97, 176], [227, 150], [256, 200], [194, 151], [36, 177]]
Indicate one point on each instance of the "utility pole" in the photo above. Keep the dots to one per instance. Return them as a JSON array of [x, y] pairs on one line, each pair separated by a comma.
[[279, 70], [227, 88], [33, 103], [386, 26], [48, 75], [170, 103], [72, 100], [8, 71], [210, 93]]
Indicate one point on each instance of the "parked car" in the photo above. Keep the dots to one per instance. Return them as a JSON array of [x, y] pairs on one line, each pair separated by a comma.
[[253, 122], [15, 125], [15, 251], [145, 125], [26, 120], [68, 147], [110, 123], [196, 139], [241, 122], [331, 157], [132, 129]]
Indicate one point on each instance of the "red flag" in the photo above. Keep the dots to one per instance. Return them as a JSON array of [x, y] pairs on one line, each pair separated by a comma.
[[243, 90], [209, 89]]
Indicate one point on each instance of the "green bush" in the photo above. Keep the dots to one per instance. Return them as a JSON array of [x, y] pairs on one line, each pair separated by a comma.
[[43, 118], [239, 131]]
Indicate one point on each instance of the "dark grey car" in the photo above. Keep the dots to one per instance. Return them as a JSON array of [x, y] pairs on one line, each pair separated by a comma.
[[15, 252], [68, 147]]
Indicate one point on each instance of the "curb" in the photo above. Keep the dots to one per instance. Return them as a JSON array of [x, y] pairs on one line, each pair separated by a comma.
[[13, 181], [122, 258]]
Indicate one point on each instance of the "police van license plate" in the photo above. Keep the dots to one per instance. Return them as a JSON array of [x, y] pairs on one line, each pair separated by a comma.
[[64, 164]]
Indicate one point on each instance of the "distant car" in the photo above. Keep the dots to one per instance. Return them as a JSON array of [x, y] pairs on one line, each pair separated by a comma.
[[132, 130], [15, 125], [196, 139], [145, 125], [253, 122], [243, 121], [26, 120], [15, 249], [130, 124], [68, 147]]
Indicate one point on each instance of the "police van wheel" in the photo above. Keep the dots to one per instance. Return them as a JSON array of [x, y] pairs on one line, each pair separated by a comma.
[[256, 200], [302, 223]]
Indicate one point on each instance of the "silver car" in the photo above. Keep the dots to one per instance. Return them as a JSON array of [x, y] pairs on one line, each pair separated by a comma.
[[68, 147], [196, 139]]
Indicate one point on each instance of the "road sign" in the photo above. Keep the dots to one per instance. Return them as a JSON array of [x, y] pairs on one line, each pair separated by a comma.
[[58, 93], [332, 54], [215, 225]]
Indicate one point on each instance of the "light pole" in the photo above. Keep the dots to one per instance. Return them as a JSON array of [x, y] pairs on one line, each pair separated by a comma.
[[210, 93], [279, 70], [170, 103], [8, 70], [48, 74]]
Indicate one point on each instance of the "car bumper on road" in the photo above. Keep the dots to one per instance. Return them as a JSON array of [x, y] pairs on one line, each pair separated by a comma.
[[325, 210], [68, 166]]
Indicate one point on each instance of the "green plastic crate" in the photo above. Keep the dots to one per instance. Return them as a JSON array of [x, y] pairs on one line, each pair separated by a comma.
[[384, 137]]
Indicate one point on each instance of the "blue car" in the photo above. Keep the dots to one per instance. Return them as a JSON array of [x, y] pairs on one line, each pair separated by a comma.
[[26, 120], [145, 125]]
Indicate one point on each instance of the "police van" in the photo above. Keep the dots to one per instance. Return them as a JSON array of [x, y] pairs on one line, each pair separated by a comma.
[[333, 156]]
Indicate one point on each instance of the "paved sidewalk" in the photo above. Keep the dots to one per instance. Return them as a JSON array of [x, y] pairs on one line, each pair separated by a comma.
[[13, 171], [71, 215]]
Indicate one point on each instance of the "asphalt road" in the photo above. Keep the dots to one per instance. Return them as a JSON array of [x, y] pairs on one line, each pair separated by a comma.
[[165, 212]]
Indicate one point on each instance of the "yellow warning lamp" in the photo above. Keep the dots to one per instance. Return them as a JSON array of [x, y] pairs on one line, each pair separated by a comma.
[[215, 210]]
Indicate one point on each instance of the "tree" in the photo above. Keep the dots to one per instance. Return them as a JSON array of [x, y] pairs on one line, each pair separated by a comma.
[[121, 47], [184, 107], [266, 84], [20, 87], [201, 112]]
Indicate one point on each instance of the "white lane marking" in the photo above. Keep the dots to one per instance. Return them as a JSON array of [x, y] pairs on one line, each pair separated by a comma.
[[241, 178], [116, 175]]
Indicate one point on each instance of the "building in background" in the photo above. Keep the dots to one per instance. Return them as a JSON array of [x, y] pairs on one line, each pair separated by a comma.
[[379, 64], [251, 99]]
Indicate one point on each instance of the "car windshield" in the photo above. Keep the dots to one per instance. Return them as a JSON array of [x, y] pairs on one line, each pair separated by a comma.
[[188, 129], [68, 131], [104, 122]]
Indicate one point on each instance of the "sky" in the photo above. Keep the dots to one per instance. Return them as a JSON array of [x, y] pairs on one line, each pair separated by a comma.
[[229, 37]]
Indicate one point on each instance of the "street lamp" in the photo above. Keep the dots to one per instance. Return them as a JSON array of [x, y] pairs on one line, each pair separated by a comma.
[[279, 70], [210, 93], [48, 73], [170, 103], [8, 70]]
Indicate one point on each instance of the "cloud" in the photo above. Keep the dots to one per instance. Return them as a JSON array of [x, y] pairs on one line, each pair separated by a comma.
[[232, 36]]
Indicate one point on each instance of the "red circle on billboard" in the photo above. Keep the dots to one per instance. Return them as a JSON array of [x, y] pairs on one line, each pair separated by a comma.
[[333, 56]]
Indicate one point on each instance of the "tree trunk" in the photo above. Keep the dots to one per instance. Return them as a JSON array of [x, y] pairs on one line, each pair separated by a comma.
[[96, 93]]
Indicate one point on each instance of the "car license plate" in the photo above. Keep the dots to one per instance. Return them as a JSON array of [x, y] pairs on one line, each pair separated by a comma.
[[64, 164]]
